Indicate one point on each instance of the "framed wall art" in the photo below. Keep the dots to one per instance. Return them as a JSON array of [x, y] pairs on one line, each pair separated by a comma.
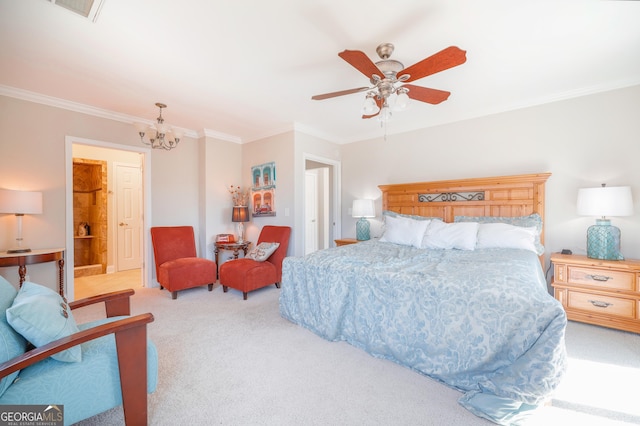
[[263, 189]]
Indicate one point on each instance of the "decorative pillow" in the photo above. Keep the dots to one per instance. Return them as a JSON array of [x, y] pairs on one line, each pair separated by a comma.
[[533, 220], [441, 235], [12, 344], [403, 230], [503, 235], [263, 251], [41, 316]]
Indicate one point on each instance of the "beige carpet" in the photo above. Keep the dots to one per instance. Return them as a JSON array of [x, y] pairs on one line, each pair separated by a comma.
[[232, 362]]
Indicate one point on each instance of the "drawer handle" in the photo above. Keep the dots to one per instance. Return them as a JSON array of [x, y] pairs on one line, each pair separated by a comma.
[[599, 277], [600, 304]]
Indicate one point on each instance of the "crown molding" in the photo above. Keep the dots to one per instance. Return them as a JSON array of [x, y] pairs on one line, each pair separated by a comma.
[[39, 98], [219, 135]]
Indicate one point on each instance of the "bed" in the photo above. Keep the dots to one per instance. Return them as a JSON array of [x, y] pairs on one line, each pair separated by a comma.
[[479, 319]]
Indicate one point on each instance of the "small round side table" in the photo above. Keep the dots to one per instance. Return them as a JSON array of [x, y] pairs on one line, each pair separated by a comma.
[[235, 247]]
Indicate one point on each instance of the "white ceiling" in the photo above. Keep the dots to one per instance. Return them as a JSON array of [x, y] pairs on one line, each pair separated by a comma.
[[246, 69]]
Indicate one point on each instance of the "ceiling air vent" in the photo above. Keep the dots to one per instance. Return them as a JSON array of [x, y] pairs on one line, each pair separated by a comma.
[[87, 8]]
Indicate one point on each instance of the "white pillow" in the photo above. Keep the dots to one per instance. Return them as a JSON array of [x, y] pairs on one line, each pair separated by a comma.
[[503, 235], [262, 251], [403, 230], [442, 235]]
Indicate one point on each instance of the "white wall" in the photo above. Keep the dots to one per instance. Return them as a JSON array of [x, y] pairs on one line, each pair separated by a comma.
[[310, 147], [219, 167], [583, 142], [289, 151], [32, 157], [279, 149]]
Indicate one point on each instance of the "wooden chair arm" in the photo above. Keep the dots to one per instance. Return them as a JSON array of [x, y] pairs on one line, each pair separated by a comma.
[[38, 354], [116, 302]]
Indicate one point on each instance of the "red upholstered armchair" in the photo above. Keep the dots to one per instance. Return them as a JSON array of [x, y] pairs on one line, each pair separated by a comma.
[[177, 266], [248, 274]]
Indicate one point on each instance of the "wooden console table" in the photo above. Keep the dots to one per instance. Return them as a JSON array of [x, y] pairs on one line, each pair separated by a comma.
[[21, 260]]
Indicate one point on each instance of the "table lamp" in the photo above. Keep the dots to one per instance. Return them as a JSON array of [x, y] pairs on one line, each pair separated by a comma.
[[240, 215], [603, 239], [20, 203], [363, 209]]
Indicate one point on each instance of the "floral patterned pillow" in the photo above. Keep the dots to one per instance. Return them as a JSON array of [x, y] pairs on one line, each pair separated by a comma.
[[262, 251]]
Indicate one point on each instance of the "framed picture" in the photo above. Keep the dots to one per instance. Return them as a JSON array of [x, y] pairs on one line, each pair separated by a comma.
[[263, 189]]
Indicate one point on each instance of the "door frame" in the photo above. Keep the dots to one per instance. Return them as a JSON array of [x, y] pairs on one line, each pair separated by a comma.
[[311, 173], [146, 213], [334, 196]]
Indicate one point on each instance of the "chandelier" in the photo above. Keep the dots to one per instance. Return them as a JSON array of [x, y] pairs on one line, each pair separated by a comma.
[[160, 136]]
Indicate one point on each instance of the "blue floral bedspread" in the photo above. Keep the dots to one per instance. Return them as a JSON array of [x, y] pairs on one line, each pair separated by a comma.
[[480, 321]]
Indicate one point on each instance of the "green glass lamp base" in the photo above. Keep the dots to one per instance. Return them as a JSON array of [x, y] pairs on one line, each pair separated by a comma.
[[603, 241], [362, 229]]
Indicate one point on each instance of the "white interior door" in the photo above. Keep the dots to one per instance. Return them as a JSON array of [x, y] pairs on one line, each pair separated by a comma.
[[311, 212], [128, 216]]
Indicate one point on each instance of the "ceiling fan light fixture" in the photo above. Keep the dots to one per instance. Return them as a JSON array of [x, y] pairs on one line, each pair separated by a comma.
[[387, 77], [402, 99], [370, 107], [385, 113]]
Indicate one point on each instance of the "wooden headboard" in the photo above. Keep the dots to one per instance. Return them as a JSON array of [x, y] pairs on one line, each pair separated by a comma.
[[519, 195]]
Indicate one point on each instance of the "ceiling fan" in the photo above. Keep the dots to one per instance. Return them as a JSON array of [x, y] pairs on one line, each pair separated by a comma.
[[389, 76]]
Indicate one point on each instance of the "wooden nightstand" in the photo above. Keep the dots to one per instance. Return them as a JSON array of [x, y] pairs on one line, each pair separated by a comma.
[[601, 292], [346, 241]]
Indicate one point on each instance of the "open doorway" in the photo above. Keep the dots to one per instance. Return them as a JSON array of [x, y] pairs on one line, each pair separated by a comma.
[[105, 225], [321, 194]]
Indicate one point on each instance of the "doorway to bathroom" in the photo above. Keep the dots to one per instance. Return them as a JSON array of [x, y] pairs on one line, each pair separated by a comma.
[[106, 223]]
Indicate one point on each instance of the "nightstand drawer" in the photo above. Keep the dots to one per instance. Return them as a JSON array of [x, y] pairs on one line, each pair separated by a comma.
[[600, 304], [602, 278]]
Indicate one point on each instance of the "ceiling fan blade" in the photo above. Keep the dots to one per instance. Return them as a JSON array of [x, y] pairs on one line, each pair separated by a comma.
[[340, 93], [361, 62], [379, 103], [424, 94], [447, 58]]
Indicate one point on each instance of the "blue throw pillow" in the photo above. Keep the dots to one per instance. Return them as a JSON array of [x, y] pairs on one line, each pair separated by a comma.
[[41, 316], [12, 344]]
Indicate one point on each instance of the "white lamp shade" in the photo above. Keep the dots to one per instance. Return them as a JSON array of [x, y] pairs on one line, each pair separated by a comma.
[[162, 128], [370, 107], [177, 133], [20, 202], [141, 127], [363, 208], [402, 102], [605, 201]]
